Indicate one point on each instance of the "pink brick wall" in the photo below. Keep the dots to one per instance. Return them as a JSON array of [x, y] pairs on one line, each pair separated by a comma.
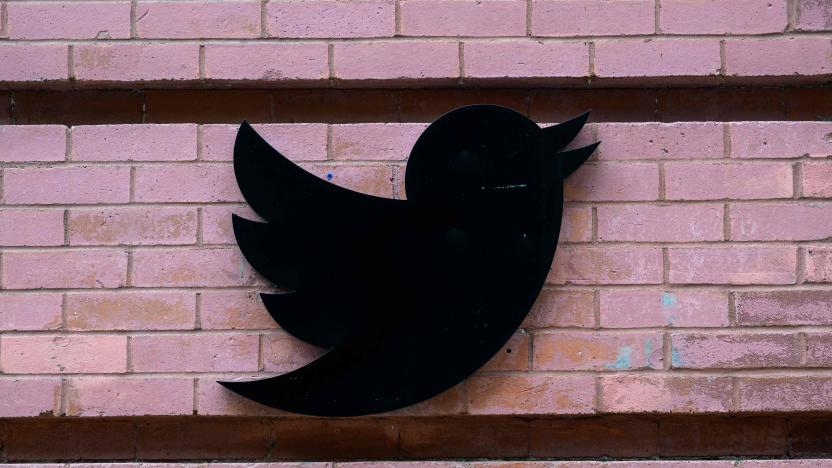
[[693, 274], [395, 42]]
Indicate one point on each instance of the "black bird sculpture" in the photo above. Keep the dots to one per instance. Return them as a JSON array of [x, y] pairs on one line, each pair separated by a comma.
[[409, 296]]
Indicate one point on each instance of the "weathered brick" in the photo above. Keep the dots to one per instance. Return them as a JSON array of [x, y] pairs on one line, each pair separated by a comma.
[[30, 311], [134, 142], [331, 438], [297, 142], [66, 185], [108, 396], [64, 269], [463, 18], [576, 225], [407, 60], [559, 308], [43, 62], [734, 350], [372, 180], [215, 400], [87, 439], [191, 439], [234, 310], [27, 227], [648, 140], [266, 61], [133, 310], [198, 20], [44, 354], [69, 20], [369, 142], [613, 182], [191, 183], [284, 353], [818, 261], [530, 394], [813, 15], [666, 394], [431, 438], [816, 177], [780, 139], [215, 267], [544, 61], [216, 223], [786, 393], [716, 181], [787, 56], [722, 16], [606, 265], [566, 18], [566, 351], [78, 107], [653, 308], [133, 226], [818, 350], [194, 353], [638, 58], [660, 223], [24, 143], [792, 307], [733, 265], [700, 437], [136, 62], [331, 19], [788, 222], [589, 437], [30, 397]]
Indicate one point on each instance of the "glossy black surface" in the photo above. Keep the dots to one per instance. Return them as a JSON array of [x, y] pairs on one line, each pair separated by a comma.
[[410, 296]]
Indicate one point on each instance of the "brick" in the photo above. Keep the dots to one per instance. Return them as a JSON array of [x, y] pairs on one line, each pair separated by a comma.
[[558, 105], [526, 59], [722, 16], [216, 223], [719, 104], [215, 267], [596, 437], [134, 143], [559, 308], [69, 20], [331, 19], [781, 139], [190, 439], [666, 394], [266, 62], [576, 225], [818, 264], [810, 435], [469, 437], [186, 183], [794, 307], [44, 354], [66, 185], [734, 350], [791, 222], [660, 223], [52, 439], [30, 311], [317, 439], [753, 436], [716, 181], [234, 310], [778, 394], [463, 18], [131, 310], [34, 62], [136, 62], [194, 353], [297, 142], [513, 356], [451, 402], [24, 143], [215, 400], [816, 177], [401, 60], [335, 105], [567, 18], [30, 397], [198, 20], [284, 353], [787, 56], [133, 226], [639, 58], [733, 265], [530, 394], [808, 104], [372, 180], [368, 142], [208, 106], [606, 265], [27, 227], [818, 350], [613, 182], [65, 269], [426, 105], [813, 15], [78, 107], [107, 396], [648, 140], [675, 308], [567, 351]]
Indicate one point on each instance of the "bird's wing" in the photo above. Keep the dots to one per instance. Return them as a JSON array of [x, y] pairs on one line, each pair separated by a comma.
[[315, 234]]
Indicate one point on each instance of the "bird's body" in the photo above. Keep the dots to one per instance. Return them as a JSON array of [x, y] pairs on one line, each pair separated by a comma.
[[410, 296]]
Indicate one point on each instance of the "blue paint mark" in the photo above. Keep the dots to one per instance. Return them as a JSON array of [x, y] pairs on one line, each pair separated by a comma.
[[329, 176], [668, 300], [623, 360], [648, 348], [675, 357]]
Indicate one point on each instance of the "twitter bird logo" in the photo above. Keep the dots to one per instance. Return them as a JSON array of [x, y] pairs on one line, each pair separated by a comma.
[[409, 296]]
